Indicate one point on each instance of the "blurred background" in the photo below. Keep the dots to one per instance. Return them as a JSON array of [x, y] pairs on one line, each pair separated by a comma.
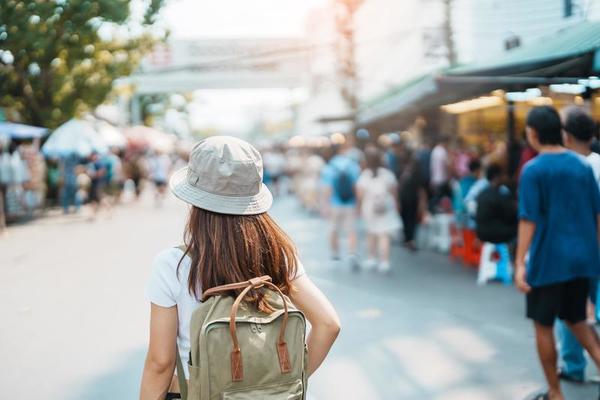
[[101, 100]]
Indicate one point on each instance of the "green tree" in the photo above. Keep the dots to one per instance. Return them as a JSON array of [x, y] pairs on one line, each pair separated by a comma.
[[59, 58]]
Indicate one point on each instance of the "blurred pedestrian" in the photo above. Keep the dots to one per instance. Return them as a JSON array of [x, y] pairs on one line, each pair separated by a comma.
[[440, 171], [159, 166], [339, 179], [559, 210], [579, 128], [70, 184], [496, 219], [5, 178], [462, 188], [114, 176], [377, 191], [135, 168], [496, 215], [413, 199], [275, 165], [228, 218], [53, 182], [97, 172]]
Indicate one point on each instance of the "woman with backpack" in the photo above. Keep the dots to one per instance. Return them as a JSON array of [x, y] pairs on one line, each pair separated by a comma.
[[377, 190], [229, 238]]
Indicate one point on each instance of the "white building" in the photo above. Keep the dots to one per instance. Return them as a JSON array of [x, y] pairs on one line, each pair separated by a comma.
[[486, 28]]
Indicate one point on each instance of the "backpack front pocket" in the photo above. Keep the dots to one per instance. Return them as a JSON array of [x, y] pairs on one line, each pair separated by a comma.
[[281, 391]]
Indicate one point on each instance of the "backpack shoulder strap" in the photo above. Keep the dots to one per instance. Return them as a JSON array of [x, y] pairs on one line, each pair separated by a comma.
[[255, 282], [183, 386]]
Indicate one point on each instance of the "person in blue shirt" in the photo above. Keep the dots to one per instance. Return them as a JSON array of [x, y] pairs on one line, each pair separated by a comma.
[[559, 207], [339, 178]]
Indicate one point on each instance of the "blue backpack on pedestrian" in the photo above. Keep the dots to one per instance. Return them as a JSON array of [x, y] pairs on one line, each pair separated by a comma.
[[343, 186]]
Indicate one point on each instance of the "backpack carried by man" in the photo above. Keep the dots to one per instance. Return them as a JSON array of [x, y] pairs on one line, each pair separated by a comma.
[[343, 185], [239, 352]]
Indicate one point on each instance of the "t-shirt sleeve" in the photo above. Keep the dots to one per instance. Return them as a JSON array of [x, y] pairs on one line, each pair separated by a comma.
[[392, 182], [326, 178], [529, 197], [300, 271], [595, 192], [356, 171], [362, 181], [163, 286]]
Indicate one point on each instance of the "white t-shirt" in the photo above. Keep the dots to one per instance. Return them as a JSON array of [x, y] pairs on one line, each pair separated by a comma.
[[439, 165], [376, 189], [594, 160], [166, 288], [159, 167]]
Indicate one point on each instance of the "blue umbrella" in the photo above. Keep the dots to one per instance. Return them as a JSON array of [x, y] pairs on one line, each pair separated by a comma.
[[21, 131]]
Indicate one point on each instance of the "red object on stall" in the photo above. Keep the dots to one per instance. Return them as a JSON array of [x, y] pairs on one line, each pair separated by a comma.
[[472, 250]]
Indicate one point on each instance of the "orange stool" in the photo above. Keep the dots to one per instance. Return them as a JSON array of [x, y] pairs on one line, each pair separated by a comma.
[[472, 251], [457, 244]]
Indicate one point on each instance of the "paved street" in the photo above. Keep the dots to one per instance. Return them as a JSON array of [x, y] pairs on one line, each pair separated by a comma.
[[75, 319]]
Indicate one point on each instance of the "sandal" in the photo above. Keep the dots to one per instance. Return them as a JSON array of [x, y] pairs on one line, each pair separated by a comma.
[[562, 375], [541, 396]]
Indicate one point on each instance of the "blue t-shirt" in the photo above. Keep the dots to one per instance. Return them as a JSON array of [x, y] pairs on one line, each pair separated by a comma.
[[558, 193], [339, 163]]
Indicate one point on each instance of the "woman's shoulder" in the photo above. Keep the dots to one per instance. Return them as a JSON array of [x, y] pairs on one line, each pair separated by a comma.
[[169, 260], [169, 256], [165, 281]]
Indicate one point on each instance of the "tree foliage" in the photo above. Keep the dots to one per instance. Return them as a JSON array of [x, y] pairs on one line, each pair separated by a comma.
[[54, 63]]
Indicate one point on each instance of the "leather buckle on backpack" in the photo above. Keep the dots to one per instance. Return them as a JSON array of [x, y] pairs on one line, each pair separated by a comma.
[[258, 282]]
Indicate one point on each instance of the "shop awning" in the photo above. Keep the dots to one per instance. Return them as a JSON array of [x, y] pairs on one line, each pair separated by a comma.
[[571, 52], [401, 98]]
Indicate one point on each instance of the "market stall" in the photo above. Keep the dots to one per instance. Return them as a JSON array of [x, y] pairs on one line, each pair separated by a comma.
[[144, 138], [75, 136], [22, 169]]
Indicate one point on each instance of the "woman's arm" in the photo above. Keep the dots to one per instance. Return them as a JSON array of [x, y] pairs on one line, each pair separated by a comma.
[[321, 315], [160, 361]]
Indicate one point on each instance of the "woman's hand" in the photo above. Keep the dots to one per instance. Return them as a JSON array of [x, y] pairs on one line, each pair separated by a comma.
[[321, 315], [160, 361]]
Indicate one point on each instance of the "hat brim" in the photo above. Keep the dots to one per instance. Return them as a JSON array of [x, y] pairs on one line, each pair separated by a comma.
[[232, 205]]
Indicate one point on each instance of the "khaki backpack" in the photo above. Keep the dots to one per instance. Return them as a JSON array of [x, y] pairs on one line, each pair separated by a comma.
[[240, 353]]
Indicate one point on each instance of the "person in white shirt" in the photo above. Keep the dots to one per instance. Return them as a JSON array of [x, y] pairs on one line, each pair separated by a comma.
[[578, 133], [377, 194], [440, 170]]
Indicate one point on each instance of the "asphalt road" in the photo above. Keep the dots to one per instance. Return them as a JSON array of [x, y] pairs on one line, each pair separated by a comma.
[[75, 320]]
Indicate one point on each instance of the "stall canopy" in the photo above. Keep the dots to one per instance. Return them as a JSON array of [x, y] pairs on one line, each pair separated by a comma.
[[21, 131], [403, 98], [143, 138], [111, 135], [74, 137]]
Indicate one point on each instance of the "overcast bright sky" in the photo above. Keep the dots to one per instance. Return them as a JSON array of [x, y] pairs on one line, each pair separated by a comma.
[[258, 18], [234, 110]]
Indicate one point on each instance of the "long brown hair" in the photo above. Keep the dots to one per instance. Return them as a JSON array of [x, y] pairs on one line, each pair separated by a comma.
[[235, 248], [373, 160]]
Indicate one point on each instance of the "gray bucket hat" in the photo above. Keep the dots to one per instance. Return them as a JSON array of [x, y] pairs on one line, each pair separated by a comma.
[[224, 175]]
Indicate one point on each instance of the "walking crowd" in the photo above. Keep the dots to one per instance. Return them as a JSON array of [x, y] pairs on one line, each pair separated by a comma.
[[30, 182], [534, 206]]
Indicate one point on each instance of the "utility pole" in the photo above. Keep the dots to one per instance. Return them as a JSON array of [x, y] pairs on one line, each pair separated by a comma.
[[345, 54], [449, 33]]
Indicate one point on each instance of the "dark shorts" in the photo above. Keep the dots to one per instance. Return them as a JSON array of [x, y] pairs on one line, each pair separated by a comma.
[[565, 300], [159, 183]]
